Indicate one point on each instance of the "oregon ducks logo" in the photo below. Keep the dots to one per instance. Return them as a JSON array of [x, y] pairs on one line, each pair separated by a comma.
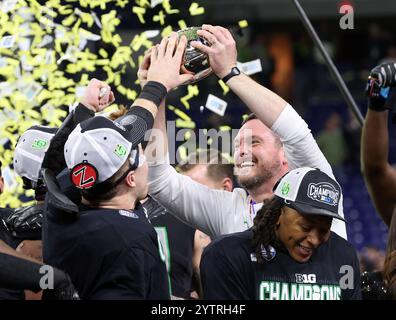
[[39, 144], [120, 150], [285, 188]]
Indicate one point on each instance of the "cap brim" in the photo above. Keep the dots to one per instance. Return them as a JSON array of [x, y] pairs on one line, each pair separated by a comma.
[[308, 209]]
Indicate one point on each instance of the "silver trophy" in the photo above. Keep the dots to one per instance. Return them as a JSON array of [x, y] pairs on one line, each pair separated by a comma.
[[195, 61]]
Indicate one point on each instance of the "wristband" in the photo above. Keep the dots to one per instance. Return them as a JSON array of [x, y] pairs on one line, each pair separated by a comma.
[[234, 72], [154, 92]]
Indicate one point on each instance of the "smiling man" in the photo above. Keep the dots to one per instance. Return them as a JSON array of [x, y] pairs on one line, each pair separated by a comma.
[[259, 158], [272, 141], [290, 253]]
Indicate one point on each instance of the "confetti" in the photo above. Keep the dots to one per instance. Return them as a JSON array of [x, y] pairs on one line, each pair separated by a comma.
[[47, 39], [250, 67], [96, 20], [243, 23], [182, 150], [160, 17], [185, 124], [196, 10], [7, 42], [24, 44], [179, 113], [9, 178], [140, 13], [8, 5], [225, 88], [182, 24], [154, 3], [50, 49], [32, 90], [216, 104], [151, 33], [168, 9], [192, 92]]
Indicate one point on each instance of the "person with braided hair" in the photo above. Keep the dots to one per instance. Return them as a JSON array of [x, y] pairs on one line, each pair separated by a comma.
[[379, 174], [290, 253]]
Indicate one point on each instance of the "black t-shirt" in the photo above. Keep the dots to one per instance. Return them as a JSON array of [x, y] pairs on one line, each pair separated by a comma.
[[177, 239], [5, 212], [5, 233], [108, 253], [6, 236], [229, 270]]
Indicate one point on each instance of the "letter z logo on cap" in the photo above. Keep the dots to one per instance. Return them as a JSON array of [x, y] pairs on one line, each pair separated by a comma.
[[84, 175]]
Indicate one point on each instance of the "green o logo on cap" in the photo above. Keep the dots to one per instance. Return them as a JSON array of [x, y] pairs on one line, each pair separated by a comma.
[[285, 188], [120, 150], [39, 144]]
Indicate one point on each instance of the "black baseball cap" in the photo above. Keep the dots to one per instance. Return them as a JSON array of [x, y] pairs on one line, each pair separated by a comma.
[[310, 191]]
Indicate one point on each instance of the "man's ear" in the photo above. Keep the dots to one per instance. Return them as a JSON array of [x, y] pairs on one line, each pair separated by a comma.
[[130, 179], [227, 184], [283, 157]]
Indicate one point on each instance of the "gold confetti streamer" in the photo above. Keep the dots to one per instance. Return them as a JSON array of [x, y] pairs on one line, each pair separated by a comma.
[[192, 92], [196, 10], [243, 24], [224, 87]]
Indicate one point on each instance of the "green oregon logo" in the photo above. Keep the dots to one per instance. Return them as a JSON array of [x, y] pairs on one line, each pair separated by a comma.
[[120, 150], [39, 144], [285, 188]]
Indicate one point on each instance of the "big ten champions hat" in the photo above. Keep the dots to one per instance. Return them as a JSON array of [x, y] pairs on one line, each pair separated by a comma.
[[30, 151], [97, 148], [310, 191]]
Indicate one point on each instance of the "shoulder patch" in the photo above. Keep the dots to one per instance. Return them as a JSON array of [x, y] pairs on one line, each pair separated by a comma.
[[268, 253], [129, 214]]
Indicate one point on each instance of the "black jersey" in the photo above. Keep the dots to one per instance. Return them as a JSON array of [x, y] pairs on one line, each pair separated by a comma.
[[108, 253], [6, 236], [5, 232], [5, 212], [229, 270], [177, 239]]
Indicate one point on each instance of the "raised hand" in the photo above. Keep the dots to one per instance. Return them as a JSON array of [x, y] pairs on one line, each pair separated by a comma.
[[385, 74], [97, 95], [222, 51], [143, 68], [165, 62]]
